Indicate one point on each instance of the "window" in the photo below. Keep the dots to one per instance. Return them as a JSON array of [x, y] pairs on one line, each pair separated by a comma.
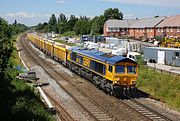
[[147, 30], [150, 30], [177, 54], [120, 69], [162, 30], [158, 30], [167, 30], [110, 68], [178, 29], [131, 70], [171, 29]]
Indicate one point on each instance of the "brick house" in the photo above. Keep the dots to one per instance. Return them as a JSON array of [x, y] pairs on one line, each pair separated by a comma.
[[116, 28], [170, 27], [145, 27]]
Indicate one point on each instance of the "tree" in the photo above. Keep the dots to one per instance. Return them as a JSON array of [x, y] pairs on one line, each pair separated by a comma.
[[97, 25], [62, 18], [53, 23], [70, 24], [15, 22], [82, 26], [6, 48], [113, 14]]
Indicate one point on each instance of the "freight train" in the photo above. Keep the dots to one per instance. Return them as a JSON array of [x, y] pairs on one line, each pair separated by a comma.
[[111, 73]]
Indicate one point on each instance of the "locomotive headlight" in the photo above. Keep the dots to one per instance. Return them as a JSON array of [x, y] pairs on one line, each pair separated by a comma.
[[115, 82]]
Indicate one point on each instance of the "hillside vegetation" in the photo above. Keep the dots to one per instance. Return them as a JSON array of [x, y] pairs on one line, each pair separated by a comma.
[[18, 102]]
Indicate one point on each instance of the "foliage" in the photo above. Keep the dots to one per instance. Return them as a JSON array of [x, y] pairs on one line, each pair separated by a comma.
[[113, 14], [81, 25], [18, 28], [53, 23], [163, 86], [6, 48], [27, 105], [70, 24], [18, 101], [97, 25], [69, 34]]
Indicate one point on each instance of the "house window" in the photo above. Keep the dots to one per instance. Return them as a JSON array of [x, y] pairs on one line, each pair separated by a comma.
[[147, 30], [150, 30], [161, 30], [143, 30], [167, 30], [178, 29], [158, 30], [171, 29]]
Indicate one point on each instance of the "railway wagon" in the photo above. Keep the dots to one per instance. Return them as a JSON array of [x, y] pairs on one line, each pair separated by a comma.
[[112, 73], [41, 43], [60, 53], [48, 47], [31, 38]]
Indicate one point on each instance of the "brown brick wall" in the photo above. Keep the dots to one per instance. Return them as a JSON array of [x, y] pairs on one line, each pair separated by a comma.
[[131, 32]]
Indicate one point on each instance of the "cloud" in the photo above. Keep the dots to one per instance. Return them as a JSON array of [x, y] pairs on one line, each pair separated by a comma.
[[27, 18], [21, 15], [60, 1], [128, 16], [161, 3]]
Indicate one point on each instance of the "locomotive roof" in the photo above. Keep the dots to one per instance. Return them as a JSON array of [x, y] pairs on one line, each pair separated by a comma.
[[101, 56]]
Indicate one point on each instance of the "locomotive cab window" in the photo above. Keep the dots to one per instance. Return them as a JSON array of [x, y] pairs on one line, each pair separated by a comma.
[[120, 69], [110, 68], [131, 69], [73, 56]]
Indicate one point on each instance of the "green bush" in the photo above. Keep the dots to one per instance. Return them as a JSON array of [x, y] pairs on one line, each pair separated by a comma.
[[27, 104], [69, 34]]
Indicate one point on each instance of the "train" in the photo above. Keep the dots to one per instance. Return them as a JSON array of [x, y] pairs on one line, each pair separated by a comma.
[[111, 73]]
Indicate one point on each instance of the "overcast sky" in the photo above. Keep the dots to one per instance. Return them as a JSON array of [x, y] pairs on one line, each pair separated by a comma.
[[31, 12]]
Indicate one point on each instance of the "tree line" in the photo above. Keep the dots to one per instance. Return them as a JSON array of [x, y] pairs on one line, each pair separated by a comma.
[[82, 25]]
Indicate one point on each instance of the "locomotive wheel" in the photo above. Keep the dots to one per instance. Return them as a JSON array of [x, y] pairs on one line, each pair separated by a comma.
[[118, 91]]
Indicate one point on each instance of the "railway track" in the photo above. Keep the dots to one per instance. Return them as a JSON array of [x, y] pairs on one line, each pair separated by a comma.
[[60, 111], [94, 110], [144, 110]]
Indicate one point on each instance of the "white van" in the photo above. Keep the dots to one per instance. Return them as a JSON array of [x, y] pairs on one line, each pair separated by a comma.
[[133, 55]]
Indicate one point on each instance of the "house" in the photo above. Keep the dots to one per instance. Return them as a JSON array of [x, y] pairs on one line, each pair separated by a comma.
[[145, 27], [113, 27], [170, 27]]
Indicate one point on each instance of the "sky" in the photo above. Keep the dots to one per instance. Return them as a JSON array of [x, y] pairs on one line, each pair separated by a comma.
[[32, 12]]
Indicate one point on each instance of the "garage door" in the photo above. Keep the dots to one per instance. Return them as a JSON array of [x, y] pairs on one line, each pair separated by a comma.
[[161, 57]]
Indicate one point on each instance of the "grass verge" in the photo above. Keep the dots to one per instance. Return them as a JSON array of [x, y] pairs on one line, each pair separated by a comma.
[[163, 86], [64, 42]]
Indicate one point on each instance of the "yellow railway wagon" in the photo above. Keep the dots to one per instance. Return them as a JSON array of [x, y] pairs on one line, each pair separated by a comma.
[[42, 44], [60, 52], [48, 47]]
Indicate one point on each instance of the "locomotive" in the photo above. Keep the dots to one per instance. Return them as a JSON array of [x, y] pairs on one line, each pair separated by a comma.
[[111, 73]]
